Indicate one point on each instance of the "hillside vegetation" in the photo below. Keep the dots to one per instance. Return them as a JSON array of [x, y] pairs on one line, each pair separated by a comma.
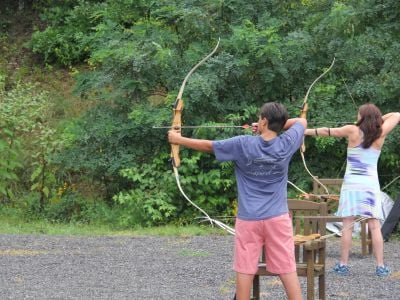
[[82, 83]]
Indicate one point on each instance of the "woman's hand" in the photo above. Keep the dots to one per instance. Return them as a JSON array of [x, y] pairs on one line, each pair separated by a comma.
[[173, 136]]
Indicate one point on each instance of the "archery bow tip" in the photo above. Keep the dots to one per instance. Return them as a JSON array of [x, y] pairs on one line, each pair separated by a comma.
[[303, 148]]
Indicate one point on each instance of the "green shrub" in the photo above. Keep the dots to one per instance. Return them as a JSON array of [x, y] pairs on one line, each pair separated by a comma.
[[72, 207]]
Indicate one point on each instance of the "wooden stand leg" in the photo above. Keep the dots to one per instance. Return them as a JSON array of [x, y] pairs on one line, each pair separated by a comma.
[[256, 287], [321, 286], [364, 238]]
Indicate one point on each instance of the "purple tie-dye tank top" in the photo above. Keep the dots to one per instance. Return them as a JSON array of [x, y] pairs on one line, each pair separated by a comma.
[[360, 194]]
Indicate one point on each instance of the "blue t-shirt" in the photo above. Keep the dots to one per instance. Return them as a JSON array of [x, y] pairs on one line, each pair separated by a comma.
[[261, 169]]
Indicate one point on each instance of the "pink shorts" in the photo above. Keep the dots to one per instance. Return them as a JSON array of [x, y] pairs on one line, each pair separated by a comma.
[[275, 234]]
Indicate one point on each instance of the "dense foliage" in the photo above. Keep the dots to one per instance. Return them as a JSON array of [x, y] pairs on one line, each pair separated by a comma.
[[129, 59]]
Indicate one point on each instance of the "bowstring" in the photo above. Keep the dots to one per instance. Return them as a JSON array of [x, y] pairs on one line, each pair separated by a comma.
[[206, 216], [360, 219]]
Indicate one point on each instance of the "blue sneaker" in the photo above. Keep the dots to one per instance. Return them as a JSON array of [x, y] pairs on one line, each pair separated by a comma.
[[341, 269], [382, 271]]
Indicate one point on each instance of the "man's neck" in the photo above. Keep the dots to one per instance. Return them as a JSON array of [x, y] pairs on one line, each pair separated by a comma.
[[268, 135]]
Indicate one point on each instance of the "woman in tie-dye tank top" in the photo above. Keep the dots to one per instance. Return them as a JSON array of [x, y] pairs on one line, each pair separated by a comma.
[[360, 193]]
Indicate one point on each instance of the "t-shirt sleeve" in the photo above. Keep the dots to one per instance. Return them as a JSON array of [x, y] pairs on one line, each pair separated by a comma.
[[228, 149], [293, 137]]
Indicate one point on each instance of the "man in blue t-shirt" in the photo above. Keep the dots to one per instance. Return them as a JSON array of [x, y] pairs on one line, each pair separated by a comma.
[[261, 168]]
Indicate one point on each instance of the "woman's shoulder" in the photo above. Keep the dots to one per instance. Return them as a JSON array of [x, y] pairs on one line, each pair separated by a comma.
[[352, 127], [349, 130], [352, 130]]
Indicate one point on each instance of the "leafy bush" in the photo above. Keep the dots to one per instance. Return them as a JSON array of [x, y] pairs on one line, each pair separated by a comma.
[[104, 141], [72, 207], [67, 38], [149, 202], [155, 199], [9, 164], [26, 141]]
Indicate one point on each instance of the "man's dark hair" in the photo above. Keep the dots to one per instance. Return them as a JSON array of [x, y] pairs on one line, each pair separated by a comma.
[[276, 114]]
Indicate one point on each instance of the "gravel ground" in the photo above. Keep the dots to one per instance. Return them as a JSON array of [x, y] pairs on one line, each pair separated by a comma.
[[56, 267]]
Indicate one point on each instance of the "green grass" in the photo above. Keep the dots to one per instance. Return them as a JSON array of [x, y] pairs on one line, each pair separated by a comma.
[[193, 253], [9, 225]]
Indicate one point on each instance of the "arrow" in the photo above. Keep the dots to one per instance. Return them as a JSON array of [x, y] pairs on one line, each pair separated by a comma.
[[245, 126]]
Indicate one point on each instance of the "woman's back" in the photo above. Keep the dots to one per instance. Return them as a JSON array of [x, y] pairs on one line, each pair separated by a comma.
[[356, 138]]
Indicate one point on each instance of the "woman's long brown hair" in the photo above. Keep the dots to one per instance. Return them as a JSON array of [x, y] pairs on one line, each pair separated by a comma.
[[370, 123]]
